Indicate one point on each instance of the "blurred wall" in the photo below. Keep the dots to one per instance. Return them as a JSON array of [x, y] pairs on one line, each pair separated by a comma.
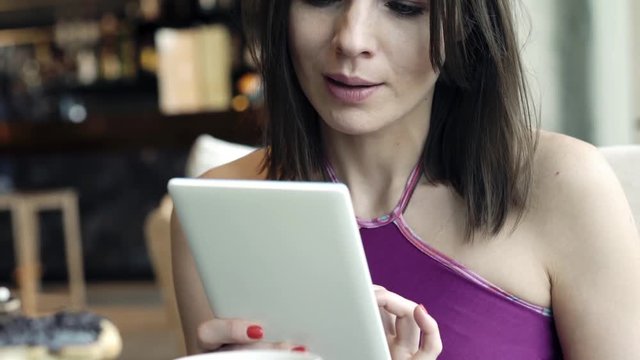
[[580, 57], [612, 70], [635, 38], [537, 28]]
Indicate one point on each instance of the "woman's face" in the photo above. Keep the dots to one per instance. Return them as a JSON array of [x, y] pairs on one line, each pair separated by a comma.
[[363, 64]]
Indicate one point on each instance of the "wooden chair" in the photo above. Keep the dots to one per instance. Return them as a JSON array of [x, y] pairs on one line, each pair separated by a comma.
[[25, 208]]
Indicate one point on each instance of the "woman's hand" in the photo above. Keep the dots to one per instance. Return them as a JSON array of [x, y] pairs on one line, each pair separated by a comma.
[[235, 334], [411, 332]]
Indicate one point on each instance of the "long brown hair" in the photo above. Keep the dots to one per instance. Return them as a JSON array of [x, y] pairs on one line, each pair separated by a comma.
[[482, 134]]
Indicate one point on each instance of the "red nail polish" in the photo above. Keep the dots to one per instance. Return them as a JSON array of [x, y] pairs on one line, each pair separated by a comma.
[[299, 349], [423, 309], [255, 332]]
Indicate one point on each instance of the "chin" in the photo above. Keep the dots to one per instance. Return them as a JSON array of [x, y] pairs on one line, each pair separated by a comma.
[[354, 127], [352, 120]]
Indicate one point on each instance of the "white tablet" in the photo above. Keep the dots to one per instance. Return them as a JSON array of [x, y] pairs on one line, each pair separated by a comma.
[[287, 254]]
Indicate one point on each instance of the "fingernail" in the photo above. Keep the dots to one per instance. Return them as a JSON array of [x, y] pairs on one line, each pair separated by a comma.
[[255, 332], [299, 349], [424, 309]]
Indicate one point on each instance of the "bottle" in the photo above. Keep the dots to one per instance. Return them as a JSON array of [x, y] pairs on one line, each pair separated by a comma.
[[150, 10], [110, 65]]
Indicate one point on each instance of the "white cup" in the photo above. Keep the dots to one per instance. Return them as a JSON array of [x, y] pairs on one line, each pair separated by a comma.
[[254, 355]]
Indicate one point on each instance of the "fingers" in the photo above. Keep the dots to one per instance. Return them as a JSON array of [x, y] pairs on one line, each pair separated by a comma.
[[407, 333], [217, 332], [388, 322], [235, 334], [431, 343], [263, 346], [408, 321]]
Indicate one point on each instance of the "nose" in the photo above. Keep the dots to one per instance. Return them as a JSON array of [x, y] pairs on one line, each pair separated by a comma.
[[353, 36]]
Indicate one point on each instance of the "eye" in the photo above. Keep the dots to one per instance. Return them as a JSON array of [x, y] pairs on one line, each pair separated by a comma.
[[321, 3], [406, 9]]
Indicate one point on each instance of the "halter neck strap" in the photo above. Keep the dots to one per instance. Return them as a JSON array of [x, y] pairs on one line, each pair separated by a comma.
[[407, 192]]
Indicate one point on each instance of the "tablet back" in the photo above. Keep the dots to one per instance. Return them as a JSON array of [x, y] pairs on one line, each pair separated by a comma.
[[287, 254]]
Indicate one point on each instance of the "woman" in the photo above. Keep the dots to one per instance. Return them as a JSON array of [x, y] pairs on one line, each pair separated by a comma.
[[421, 108]]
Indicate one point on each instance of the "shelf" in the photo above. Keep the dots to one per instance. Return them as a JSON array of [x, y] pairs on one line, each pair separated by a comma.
[[150, 130], [143, 84], [43, 13]]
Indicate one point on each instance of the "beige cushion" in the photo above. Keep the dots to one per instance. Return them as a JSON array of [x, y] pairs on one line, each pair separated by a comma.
[[625, 161], [208, 152]]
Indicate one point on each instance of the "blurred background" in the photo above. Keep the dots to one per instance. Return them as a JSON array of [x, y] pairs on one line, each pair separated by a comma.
[[108, 99], [583, 61]]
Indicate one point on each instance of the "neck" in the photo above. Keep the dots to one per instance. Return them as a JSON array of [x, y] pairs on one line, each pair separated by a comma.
[[374, 159], [375, 166]]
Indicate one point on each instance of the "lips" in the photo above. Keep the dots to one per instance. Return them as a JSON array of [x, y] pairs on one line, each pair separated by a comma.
[[350, 80], [351, 90]]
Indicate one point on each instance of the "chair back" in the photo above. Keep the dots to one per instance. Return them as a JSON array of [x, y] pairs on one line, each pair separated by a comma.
[[625, 161]]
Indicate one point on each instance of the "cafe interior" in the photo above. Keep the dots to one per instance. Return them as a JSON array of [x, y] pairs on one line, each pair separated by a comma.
[[103, 101]]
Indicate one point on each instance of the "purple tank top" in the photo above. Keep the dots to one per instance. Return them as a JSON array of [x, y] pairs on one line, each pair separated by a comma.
[[477, 320]]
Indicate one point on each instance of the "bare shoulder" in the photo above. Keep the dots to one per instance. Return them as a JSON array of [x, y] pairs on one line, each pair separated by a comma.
[[580, 215], [568, 172], [563, 157], [577, 201], [248, 167], [573, 184]]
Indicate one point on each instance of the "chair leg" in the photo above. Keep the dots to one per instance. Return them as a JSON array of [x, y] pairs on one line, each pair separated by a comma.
[[24, 225], [73, 249]]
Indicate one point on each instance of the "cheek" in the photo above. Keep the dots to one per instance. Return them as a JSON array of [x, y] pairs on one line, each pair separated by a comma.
[[305, 33], [408, 51], [416, 77]]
